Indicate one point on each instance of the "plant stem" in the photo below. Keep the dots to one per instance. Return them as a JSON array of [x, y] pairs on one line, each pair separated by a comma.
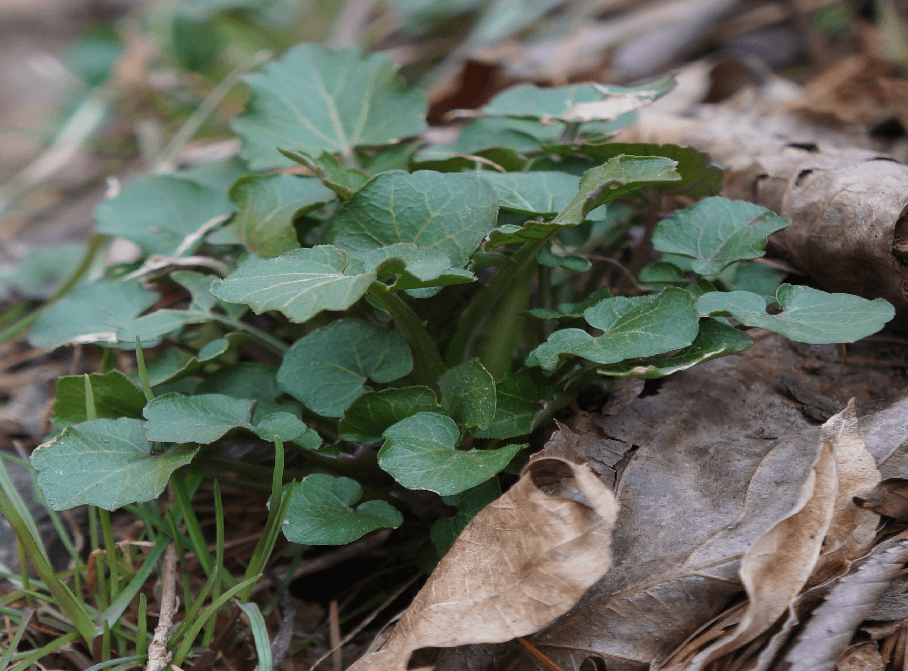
[[264, 338], [428, 364], [640, 256], [498, 348]]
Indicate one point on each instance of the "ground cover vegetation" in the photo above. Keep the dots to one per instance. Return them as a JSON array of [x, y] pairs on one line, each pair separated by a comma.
[[427, 311]]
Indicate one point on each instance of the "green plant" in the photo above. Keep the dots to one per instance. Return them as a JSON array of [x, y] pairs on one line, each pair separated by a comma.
[[435, 304]]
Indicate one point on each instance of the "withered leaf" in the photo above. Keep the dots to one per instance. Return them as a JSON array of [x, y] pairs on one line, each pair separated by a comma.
[[889, 497], [523, 561]]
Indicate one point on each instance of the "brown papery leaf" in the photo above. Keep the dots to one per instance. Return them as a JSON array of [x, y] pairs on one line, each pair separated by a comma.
[[523, 561], [889, 498]]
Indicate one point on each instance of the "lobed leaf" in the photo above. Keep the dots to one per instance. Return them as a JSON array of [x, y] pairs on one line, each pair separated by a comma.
[[717, 232], [808, 315], [327, 369], [321, 512], [420, 453], [368, 416], [267, 206], [316, 99], [157, 212], [204, 418], [632, 328], [450, 213], [105, 463]]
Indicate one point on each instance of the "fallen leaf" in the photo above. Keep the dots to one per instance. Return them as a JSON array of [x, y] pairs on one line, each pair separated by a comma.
[[523, 561], [889, 497]]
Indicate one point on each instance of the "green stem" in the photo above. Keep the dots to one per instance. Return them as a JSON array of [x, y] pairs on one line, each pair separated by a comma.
[[498, 348], [428, 364], [258, 334]]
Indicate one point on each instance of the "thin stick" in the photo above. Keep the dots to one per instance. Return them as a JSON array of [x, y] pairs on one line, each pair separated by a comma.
[[334, 635], [158, 656], [538, 654]]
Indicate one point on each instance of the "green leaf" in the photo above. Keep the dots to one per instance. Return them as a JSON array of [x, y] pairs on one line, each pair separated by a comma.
[[661, 275], [420, 453], [43, 270], [300, 283], [92, 313], [753, 277], [204, 418], [327, 168], [157, 212], [577, 103], [304, 282], [243, 380], [267, 206], [699, 176], [571, 262], [632, 328], [321, 512], [572, 310], [450, 213], [715, 339], [615, 179], [717, 232], [533, 193], [808, 315], [327, 369], [156, 325], [518, 401], [173, 365], [316, 99], [115, 396], [368, 416], [105, 463], [468, 392]]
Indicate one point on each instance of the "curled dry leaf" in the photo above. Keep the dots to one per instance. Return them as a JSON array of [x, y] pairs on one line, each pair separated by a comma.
[[890, 498], [523, 561]]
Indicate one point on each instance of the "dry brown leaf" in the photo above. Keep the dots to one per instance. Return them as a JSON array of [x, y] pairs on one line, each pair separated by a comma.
[[861, 657], [890, 497], [523, 561]]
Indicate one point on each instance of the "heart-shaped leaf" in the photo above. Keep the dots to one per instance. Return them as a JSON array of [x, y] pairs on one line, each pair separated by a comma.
[[105, 463], [517, 402], [468, 393], [420, 453], [157, 212], [327, 369], [717, 232], [808, 315], [267, 205], [92, 313], [632, 328], [368, 416], [316, 99], [321, 512], [204, 418], [450, 213]]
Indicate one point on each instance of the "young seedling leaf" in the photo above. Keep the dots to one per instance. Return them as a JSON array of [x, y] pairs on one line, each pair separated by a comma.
[[316, 99], [368, 416], [699, 176], [173, 365], [267, 206], [204, 418], [115, 396], [420, 453], [105, 463], [717, 232], [808, 315], [572, 310], [632, 328], [450, 213], [615, 179], [533, 193], [321, 512], [468, 393], [158, 212], [327, 168], [92, 313], [572, 262], [327, 369], [577, 103], [518, 401], [300, 283], [156, 325], [715, 339]]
